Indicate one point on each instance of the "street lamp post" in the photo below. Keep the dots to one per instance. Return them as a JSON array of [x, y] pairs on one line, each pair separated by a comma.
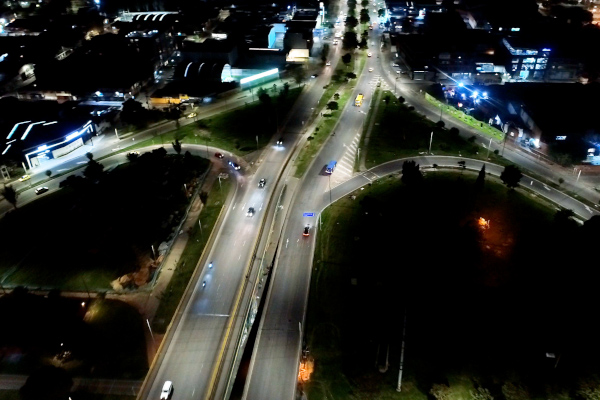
[[489, 146], [430, 140], [330, 189]]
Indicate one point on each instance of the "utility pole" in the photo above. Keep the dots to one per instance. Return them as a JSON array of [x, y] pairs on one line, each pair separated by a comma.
[[489, 146], [399, 387]]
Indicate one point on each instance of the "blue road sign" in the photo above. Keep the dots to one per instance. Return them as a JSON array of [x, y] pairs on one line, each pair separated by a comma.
[[308, 214]]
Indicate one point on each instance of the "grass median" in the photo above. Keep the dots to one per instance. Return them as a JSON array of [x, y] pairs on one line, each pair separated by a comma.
[[399, 132], [322, 131], [170, 298], [233, 131]]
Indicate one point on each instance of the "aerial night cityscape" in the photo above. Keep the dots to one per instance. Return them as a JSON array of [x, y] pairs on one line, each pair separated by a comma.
[[302, 200]]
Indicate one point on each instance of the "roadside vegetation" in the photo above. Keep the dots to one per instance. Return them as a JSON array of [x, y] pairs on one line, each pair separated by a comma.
[[236, 131], [101, 226], [170, 298], [491, 311], [400, 132]]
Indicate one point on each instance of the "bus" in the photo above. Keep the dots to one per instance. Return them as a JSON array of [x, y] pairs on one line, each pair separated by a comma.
[[330, 167], [359, 100]]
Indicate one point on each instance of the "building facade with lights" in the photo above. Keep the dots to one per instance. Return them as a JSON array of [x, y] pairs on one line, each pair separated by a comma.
[[35, 142]]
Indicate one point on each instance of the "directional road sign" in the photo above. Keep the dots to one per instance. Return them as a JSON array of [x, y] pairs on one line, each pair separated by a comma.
[[308, 214]]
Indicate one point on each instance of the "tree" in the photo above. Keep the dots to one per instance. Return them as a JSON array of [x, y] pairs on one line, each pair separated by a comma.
[[299, 75], [265, 99], [454, 132], [386, 100], [589, 388], [332, 105], [89, 156], [336, 96], [480, 178], [440, 124], [351, 22], [132, 156], [93, 171], [48, 173], [481, 393], [346, 58], [10, 194], [350, 75], [350, 42], [511, 176], [133, 112], [177, 146], [364, 18], [512, 391], [324, 52], [411, 173], [380, 13], [47, 383], [441, 392], [401, 100], [364, 3], [364, 43]]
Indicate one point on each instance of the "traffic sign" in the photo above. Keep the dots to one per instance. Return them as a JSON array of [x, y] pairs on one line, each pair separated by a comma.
[[308, 214]]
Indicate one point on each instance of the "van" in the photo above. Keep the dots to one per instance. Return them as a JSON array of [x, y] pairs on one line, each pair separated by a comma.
[[167, 391]]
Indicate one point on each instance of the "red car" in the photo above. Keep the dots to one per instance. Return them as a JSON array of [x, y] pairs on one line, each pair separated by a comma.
[[219, 155]]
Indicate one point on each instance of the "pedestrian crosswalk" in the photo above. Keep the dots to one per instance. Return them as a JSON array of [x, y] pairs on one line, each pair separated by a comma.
[[375, 79], [345, 166]]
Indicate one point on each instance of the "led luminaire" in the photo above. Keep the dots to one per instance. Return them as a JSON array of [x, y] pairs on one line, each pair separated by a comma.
[[29, 129], [12, 131], [258, 76], [73, 135]]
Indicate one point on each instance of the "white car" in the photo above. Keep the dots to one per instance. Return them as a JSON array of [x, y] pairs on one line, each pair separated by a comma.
[[369, 54], [250, 212], [328, 63], [370, 69], [167, 390]]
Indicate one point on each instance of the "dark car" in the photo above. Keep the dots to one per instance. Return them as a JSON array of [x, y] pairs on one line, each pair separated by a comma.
[[262, 183], [314, 75], [41, 190], [219, 155], [280, 141], [250, 212], [234, 165], [306, 230]]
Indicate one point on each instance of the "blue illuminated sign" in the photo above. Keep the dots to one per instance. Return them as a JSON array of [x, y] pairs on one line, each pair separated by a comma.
[[308, 214]]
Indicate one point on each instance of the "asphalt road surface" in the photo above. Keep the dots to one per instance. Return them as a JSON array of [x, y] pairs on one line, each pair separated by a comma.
[[193, 347]]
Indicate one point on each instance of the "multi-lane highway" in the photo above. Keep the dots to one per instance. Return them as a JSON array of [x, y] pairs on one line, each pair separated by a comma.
[[194, 348]]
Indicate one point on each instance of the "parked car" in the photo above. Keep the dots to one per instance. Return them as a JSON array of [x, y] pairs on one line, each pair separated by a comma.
[[41, 190]]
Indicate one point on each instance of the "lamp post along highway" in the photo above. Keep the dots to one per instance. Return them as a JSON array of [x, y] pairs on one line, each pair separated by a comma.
[[489, 146], [430, 140]]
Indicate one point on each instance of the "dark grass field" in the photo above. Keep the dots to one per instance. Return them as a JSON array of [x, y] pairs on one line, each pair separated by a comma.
[[483, 307]]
